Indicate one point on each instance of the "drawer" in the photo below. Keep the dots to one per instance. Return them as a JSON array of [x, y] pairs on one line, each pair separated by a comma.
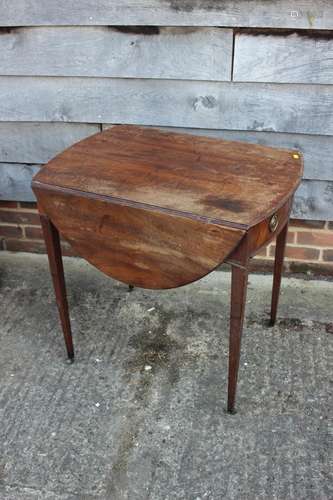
[[261, 234]]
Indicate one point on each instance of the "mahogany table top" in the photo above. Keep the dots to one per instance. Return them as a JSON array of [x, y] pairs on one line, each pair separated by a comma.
[[158, 209], [209, 179]]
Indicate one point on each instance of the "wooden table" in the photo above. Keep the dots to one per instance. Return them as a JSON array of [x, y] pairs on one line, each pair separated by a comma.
[[159, 210]]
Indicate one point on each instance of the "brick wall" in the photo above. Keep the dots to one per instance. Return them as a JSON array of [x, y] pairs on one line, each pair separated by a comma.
[[309, 249], [20, 229]]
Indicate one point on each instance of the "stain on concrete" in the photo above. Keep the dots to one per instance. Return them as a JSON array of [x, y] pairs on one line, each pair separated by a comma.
[[152, 347], [291, 323], [329, 327], [117, 486], [105, 428]]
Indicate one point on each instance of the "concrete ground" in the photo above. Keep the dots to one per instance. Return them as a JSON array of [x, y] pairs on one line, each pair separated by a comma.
[[141, 412]]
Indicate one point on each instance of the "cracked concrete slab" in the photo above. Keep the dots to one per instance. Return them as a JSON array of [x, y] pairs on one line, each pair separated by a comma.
[[141, 412]]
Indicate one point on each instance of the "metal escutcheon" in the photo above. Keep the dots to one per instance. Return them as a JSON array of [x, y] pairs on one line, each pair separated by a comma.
[[273, 223]]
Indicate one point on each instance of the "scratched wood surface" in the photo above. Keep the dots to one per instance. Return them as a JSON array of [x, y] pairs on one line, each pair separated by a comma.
[[256, 13], [313, 199], [214, 179], [138, 246], [284, 59], [146, 52], [233, 106], [317, 150]]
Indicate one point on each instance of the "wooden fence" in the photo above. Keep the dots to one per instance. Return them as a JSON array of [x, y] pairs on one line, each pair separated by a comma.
[[253, 70]]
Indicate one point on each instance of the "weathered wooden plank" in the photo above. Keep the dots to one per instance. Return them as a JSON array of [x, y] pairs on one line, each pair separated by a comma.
[[23, 142], [256, 13], [179, 53], [317, 150], [15, 181], [283, 59], [233, 106], [314, 200]]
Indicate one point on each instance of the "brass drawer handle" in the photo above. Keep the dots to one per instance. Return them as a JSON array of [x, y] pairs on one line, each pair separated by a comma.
[[273, 223]]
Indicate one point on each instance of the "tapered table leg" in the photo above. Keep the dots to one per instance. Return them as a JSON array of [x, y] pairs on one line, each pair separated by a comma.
[[238, 299], [278, 266], [53, 247]]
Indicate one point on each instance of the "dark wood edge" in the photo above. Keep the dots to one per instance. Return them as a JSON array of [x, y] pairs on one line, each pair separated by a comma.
[[147, 206], [135, 204]]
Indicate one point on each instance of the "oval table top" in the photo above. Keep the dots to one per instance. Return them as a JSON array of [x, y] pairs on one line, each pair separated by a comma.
[[229, 181], [159, 209]]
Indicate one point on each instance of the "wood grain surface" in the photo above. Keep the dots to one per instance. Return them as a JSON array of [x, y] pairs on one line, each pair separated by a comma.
[[213, 179], [265, 13], [283, 59], [317, 150], [219, 105], [141, 247], [105, 51]]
